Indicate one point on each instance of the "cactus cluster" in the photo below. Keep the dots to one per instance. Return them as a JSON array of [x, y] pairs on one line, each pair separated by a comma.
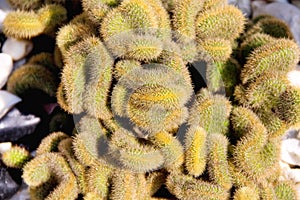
[[142, 131]]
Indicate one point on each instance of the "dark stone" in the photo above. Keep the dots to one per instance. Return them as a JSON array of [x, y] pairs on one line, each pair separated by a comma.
[[8, 187], [15, 125]]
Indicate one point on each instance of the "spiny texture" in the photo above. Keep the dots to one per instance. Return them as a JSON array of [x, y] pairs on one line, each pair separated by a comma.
[[16, 157], [124, 71]]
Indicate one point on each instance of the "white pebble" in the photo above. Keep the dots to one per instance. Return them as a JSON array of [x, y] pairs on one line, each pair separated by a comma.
[[5, 5], [18, 49], [5, 146], [290, 151], [6, 66], [294, 78], [7, 101]]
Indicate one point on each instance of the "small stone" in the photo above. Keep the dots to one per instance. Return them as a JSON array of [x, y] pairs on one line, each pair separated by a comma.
[[15, 125], [294, 175], [7, 101], [294, 78], [19, 63], [289, 13], [16, 48], [6, 66], [8, 187], [22, 194], [290, 151], [243, 5], [5, 146]]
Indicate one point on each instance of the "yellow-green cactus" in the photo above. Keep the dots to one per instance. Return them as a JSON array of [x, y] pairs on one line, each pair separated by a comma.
[[15, 157], [32, 76], [26, 5]]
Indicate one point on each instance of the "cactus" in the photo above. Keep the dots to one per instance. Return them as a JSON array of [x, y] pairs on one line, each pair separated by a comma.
[[123, 69], [16, 157], [26, 5], [32, 76], [22, 24]]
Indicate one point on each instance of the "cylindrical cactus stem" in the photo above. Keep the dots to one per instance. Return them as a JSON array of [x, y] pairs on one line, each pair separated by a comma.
[[41, 168], [224, 22], [155, 180], [98, 75], [285, 190], [32, 76], [50, 143], [186, 187], [61, 98], [171, 149], [252, 42], [132, 155], [130, 45], [223, 75], [246, 193], [79, 170], [45, 59], [98, 178], [22, 25], [216, 48], [211, 112], [71, 34], [217, 163], [124, 66], [90, 143], [184, 17], [97, 9], [195, 150], [52, 16], [16, 157], [273, 27], [254, 153], [281, 55], [123, 185]]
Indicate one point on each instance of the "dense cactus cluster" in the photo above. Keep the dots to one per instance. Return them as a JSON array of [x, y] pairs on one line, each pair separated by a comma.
[[142, 131]]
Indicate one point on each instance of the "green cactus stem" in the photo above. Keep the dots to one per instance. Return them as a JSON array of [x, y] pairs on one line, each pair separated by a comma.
[[246, 193], [22, 25], [16, 157], [51, 142], [195, 150], [32, 76], [26, 5]]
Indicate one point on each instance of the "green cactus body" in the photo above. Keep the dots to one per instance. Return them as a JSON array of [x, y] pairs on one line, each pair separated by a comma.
[[195, 150], [185, 187], [32, 76], [61, 98], [91, 134], [124, 66], [52, 16], [217, 49], [51, 142], [133, 155], [254, 146], [123, 186], [246, 193], [281, 55], [285, 190], [16, 157], [225, 22], [71, 34], [22, 25], [155, 180], [96, 9], [66, 148], [184, 16], [211, 112], [170, 148], [218, 167], [98, 177]]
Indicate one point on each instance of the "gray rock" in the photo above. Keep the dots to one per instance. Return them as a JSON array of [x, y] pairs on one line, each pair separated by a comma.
[[290, 151], [284, 11], [8, 187], [296, 3], [22, 193], [15, 125]]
